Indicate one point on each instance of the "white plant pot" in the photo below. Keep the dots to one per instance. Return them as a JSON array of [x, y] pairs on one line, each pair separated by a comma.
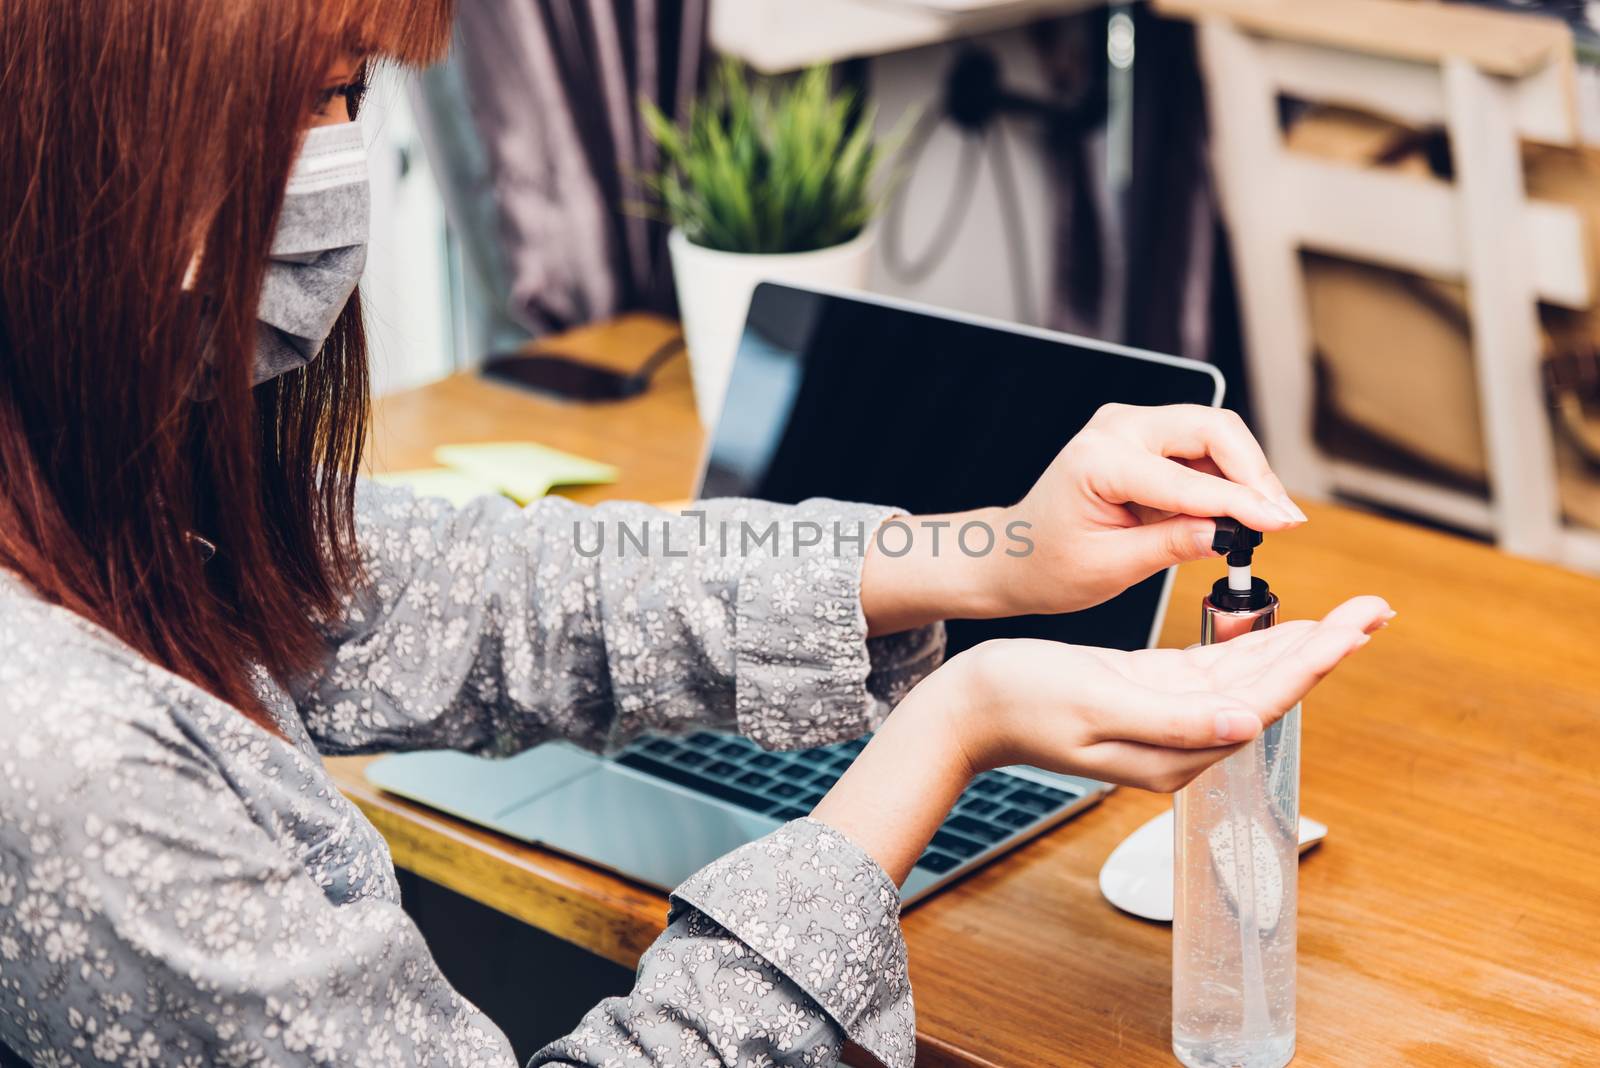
[[714, 290]]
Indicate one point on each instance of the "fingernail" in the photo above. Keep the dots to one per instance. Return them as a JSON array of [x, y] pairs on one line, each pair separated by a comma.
[[1203, 538], [1290, 509], [1279, 512], [1364, 639], [1237, 726], [1373, 628]]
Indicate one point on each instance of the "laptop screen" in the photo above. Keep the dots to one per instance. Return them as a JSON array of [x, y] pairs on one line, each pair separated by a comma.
[[857, 400]]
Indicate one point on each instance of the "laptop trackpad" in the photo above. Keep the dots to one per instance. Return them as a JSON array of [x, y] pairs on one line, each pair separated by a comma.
[[642, 829]]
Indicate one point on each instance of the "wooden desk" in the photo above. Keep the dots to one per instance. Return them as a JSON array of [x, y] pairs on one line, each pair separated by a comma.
[[654, 438], [1452, 918]]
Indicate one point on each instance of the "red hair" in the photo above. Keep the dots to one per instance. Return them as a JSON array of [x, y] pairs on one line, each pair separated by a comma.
[[132, 134]]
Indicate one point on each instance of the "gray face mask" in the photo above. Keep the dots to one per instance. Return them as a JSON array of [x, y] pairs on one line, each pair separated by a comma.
[[318, 251]]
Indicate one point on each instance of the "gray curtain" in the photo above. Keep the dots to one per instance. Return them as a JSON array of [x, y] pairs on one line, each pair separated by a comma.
[[1156, 246], [532, 127]]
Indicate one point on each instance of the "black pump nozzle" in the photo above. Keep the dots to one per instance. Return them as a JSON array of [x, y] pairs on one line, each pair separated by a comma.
[[1238, 543], [1235, 540]]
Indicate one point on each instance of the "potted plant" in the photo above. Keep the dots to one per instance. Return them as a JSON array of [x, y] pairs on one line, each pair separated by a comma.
[[764, 181]]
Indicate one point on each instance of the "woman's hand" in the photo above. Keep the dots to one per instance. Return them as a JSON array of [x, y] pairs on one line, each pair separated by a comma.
[[1154, 719], [1135, 492]]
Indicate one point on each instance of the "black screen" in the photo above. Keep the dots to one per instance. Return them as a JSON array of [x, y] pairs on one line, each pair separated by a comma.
[[858, 401]]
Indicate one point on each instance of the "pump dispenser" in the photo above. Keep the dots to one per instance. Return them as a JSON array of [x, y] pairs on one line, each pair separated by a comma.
[[1236, 844], [1240, 602]]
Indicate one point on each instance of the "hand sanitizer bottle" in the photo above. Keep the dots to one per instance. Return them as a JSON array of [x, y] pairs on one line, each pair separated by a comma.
[[1236, 864]]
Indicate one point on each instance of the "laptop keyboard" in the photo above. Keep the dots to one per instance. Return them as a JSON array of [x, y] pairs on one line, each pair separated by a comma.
[[786, 786]]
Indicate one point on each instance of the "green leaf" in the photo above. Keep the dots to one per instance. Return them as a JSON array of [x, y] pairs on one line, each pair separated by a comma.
[[766, 164]]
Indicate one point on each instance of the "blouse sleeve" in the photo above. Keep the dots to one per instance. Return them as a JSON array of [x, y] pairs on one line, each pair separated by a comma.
[[490, 628], [774, 955]]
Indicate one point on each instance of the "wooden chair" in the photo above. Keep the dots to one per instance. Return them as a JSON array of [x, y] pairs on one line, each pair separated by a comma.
[[1491, 80]]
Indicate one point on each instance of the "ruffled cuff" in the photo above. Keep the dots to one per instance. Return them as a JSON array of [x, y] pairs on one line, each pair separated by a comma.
[[822, 912], [807, 674]]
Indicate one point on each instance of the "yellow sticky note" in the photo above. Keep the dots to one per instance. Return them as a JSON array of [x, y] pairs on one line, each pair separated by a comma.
[[453, 486], [524, 470]]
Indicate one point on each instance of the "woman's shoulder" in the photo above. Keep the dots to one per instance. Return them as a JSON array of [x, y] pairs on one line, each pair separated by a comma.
[[63, 676]]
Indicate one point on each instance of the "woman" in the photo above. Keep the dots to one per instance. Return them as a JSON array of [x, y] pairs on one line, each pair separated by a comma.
[[196, 600]]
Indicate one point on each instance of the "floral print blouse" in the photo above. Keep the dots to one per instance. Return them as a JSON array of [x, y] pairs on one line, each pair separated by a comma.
[[179, 887]]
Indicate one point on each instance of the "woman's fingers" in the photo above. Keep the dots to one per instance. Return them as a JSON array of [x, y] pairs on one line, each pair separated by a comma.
[[1253, 649], [1210, 439], [1203, 464], [1132, 476], [1367, 613], [1154, 546], [1195, 432], [1260, 676], [1156, 719], [1279, 683], [1193, 720], [1235, 658], [1149, 767]]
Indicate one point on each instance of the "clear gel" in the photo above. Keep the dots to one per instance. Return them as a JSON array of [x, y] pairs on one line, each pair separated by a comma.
[[1236, 863], [1234, 907]]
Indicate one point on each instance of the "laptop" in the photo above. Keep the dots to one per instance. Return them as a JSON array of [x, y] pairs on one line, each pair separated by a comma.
[[856, 398]]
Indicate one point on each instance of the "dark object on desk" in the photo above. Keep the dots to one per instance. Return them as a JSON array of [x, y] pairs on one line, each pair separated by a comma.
[[568, 378]]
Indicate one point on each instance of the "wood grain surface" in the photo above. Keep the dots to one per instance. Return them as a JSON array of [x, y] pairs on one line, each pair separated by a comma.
[[1451, 919]]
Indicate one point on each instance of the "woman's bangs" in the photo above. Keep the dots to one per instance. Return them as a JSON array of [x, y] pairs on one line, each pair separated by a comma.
[[411, 32]]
